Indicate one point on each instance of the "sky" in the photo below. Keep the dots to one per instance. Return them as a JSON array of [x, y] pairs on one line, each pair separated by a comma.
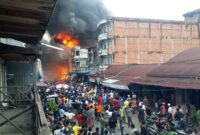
[[152, 9]]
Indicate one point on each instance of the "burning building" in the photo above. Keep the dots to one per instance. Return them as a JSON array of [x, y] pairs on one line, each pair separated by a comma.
[[73, 23]]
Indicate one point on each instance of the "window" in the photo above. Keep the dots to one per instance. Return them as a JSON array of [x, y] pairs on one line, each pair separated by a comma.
[[77, 53]]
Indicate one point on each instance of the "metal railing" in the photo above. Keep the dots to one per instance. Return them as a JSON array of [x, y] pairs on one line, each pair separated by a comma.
[[15, 96]]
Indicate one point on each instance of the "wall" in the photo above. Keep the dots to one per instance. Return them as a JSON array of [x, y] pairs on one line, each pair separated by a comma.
[[144, 41], [23, 73]]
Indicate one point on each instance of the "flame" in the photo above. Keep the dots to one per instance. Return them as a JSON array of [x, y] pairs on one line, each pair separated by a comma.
[[62, 72], [66, 39]]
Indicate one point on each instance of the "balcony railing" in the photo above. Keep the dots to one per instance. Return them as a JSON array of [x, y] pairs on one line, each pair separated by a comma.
[[15, 95], [103, 52], [102, 36]]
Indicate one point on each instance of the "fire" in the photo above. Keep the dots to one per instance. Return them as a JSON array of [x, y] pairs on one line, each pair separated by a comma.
[[62, 72], [66, 39]]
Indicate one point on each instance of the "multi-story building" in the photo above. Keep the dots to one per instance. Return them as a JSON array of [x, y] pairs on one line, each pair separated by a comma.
[[143, 41], [80, 59]]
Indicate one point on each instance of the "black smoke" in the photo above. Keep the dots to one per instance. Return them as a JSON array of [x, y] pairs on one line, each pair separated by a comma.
[[78, 18]]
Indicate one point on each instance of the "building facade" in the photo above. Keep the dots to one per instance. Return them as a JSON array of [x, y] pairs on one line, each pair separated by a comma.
[[80, 59], [143, 41]]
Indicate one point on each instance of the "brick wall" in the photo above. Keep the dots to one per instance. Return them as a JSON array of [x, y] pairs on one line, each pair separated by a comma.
[[150, 41]]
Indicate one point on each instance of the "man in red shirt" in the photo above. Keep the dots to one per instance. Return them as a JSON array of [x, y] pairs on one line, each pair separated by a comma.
[[100, 100], [116, 104]]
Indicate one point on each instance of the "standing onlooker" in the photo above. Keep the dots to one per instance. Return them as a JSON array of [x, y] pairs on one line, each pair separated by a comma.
[[178, 116], [79, 119], [141, 114], [96, 132], [112, 124], [134, 106], [100, 100], [163, 110], [103, 122], [188, 112], [122, 113], [121, 124], [75, 128], [129, 115], [126, 103]]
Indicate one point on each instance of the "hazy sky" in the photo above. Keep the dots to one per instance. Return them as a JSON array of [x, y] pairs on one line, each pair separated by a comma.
[[152, 9]]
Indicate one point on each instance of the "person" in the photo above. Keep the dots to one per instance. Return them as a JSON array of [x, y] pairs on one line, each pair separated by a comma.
[[121, 124], [103, 122], [96, 132], [89, 132], [116, 115], [134, 105], [100, 100], [141, 114], [134, 96], [143, 128], [180, 109], [106, 130], [122, 113], [105, 98], [163, 110], [169, 112], [121, 102], [188, 113], [79, 119], [98, 111], [116, 104], [178, 116], [129, 115], [126, 103], [112, 124], [198, 116], [91, 116], [75, 128]]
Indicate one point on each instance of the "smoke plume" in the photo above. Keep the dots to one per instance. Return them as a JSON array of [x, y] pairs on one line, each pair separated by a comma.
[[77, 17]]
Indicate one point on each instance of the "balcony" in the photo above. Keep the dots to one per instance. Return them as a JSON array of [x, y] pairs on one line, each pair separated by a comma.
[[102, 22], [102, 36], [103, 52]]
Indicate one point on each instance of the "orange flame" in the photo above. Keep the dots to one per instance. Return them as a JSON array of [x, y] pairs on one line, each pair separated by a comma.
[[66, 39], [62, 72]]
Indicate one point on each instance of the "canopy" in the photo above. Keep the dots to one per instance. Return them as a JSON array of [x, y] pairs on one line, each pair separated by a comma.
[[41, 84]]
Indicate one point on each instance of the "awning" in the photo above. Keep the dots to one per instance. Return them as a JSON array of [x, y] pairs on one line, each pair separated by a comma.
[[111, 83]]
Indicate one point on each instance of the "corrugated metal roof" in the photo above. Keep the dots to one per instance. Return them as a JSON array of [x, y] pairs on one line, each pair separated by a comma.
[[25, 20], [180, 72], [127, 73]]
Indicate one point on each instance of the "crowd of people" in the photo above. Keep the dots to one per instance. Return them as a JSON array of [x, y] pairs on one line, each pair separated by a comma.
[[80, 109]]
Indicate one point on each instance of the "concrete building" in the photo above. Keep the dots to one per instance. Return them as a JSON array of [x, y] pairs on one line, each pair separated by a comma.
[[80, 59], [192, 17], [143, 41]]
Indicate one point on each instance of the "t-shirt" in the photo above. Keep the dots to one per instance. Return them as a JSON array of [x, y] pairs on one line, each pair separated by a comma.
[[76, 129], [126, 104], [69, 115], [112, 122], [98, 108]]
